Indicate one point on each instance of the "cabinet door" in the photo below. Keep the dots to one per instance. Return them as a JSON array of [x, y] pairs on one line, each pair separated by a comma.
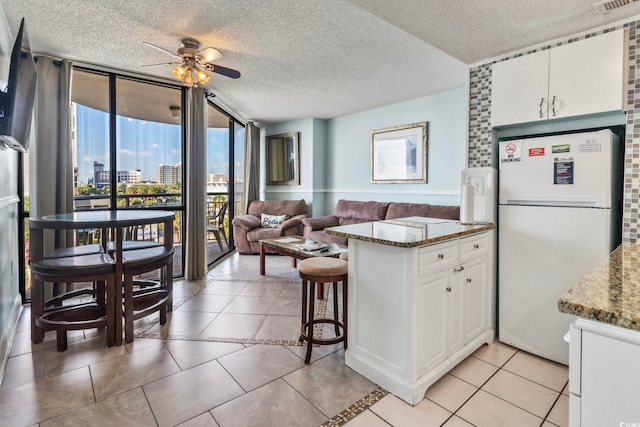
[[455, 335], [431, 319], [475, 297], [587, 76], [519, 89]]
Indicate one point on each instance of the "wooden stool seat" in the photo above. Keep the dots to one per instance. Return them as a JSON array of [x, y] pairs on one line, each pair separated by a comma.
[[74, 251], [320, 270], [129, 245], [98, 268]]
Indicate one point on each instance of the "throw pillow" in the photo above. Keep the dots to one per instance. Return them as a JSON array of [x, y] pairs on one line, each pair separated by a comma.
[[272, 221]]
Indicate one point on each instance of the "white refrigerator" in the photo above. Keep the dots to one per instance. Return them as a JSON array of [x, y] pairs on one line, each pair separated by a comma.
[[558, 217]]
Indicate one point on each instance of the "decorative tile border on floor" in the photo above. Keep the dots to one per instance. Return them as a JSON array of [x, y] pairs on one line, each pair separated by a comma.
[[317, 331], [356, 409]]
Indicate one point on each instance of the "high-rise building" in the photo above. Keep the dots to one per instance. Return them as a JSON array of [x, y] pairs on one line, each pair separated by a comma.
[[169, 174], [103, 177]]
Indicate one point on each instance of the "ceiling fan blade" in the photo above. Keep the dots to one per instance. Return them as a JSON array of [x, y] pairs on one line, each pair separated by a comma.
[[210, 54], [161, 49], [162, 63], [234, 74]]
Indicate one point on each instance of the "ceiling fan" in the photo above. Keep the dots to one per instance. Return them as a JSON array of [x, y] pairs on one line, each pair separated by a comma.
[[190, 60]]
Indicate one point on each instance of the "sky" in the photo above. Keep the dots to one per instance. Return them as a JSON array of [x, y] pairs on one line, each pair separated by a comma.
[[140, 145]]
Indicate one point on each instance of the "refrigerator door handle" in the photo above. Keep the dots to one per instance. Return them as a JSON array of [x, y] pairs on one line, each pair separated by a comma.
[[577, 203]]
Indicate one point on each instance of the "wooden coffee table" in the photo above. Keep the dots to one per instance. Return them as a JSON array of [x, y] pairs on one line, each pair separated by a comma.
[[289, 246]]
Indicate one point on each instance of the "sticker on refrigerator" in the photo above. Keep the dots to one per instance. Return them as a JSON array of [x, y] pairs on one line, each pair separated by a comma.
[[511, 152], [561, 148], [563, 170], [538, 151], [590, 148]]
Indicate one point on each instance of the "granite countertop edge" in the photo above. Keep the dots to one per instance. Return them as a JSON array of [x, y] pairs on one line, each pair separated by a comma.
[[428, 241], [610, 292]]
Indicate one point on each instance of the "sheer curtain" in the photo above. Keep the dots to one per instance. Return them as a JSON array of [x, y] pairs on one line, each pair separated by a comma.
[[252, 164], [50, 152], [196, 188]]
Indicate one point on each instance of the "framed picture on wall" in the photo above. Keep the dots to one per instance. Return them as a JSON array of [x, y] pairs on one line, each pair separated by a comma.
[[399, 154]]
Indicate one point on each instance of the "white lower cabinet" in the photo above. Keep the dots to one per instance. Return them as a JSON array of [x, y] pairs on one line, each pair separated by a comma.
[[603, 375], [415, 313]]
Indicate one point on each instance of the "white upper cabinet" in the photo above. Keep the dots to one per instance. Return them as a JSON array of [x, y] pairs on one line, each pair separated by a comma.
[[520, 89], [578, 78]]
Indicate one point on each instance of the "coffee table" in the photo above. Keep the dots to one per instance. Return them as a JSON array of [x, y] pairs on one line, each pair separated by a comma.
[[289, 246]]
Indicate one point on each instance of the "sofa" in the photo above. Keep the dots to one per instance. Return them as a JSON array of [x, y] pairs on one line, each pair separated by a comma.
[[249, 229], [354, 212]]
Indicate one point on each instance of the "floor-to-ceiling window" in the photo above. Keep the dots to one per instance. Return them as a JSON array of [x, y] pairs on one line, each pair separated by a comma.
[[134, 127]]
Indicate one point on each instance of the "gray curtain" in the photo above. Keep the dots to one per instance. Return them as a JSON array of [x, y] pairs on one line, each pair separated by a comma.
[[50, 151], [196, 188], [251, 164]]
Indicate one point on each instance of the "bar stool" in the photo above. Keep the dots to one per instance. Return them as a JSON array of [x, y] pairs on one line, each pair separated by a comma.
[[151, 296], [98, 268], [71, 251], [320, 270]]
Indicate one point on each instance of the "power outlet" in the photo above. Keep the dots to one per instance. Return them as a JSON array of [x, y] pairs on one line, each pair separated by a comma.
[[478, 185]]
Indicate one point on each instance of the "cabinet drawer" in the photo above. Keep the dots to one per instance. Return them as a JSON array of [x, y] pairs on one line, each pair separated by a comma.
[[474, 245], [436, 257]]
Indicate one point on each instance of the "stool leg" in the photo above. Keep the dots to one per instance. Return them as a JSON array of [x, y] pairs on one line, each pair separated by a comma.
[[304, 305], [128, 309], [61, 339], [320, 290], [111, 311], [310, 331], [345, 304], [335, 307]]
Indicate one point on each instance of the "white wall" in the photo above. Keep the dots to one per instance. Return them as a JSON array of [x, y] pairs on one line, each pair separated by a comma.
[[348, 158]]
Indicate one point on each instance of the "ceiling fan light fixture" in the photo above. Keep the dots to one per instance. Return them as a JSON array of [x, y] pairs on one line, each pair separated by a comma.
[[179, 72], [201, 75], [188, 78]]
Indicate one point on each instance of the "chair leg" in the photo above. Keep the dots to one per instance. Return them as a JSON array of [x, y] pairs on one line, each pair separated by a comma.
[[218, 239]]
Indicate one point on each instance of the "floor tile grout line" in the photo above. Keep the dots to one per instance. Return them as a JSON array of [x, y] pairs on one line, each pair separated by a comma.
[[554, 404]]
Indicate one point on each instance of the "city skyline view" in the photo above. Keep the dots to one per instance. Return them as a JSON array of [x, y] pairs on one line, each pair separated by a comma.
[[141, 144]]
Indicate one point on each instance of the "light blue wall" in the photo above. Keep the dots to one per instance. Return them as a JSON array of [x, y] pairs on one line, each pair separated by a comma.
[[305, 128], [348, 151], [335, 154]]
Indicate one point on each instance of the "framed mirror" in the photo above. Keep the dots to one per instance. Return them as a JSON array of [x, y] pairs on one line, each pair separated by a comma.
[[283, 159]]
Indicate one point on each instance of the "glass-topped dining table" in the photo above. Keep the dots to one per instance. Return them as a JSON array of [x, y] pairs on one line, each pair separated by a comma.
[[115, 220]]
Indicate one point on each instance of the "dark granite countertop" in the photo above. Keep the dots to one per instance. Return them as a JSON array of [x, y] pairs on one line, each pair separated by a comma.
[[408, 232], [611, 292]]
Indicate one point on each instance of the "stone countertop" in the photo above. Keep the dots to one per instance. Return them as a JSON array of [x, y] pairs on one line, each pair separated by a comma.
[[408, 232], [611, 292]]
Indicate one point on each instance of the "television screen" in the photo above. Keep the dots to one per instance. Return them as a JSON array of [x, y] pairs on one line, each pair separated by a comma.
[[16, 102]]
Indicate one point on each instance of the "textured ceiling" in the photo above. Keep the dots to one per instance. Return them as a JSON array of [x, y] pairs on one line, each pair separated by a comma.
[[306, 58]]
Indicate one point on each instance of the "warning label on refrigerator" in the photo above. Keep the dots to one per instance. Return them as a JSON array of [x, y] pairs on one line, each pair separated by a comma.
[[590, 148], [538, 151], [511, 152], [563, 170], [561, 148]]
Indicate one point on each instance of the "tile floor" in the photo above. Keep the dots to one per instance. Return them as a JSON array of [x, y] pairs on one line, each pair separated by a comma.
[[208, 366]]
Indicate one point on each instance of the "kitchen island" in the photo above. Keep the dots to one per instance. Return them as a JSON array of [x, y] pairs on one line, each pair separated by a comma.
[[421, 299], [604, 347]]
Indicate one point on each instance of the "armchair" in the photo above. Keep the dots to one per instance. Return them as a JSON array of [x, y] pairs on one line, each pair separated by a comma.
[[248, 229]]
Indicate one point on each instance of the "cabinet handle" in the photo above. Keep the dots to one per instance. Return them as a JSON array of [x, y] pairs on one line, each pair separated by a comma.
[[440, 256], [469, 280], [540, 106], [476, 246], [448, 288], [458, 270], [553, 106]]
